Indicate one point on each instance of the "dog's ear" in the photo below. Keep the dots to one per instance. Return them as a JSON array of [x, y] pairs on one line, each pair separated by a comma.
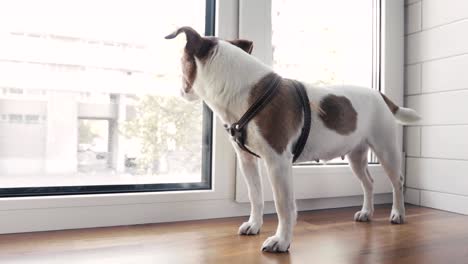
[[194, 40], [245, 45]]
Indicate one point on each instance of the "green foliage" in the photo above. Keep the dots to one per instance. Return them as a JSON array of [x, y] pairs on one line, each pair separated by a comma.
[[166, 126], [86, 133]]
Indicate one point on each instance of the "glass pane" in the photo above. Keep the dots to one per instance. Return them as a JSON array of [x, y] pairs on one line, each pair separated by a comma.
[[324, 42], [89, 93]]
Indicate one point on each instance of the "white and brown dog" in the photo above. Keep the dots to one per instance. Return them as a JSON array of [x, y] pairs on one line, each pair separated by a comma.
[[346, 121]]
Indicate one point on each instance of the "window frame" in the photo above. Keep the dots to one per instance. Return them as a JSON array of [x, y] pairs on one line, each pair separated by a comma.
[[311, 177], [207, 149]]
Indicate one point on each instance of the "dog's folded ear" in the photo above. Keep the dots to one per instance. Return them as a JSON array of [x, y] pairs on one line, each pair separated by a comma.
[[194, 40], [245, 45]]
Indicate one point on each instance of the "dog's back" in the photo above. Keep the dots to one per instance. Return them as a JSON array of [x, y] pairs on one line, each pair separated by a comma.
[[343, 117]]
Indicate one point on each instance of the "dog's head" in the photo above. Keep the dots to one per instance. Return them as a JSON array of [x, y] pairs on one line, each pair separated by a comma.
[[199, 52]]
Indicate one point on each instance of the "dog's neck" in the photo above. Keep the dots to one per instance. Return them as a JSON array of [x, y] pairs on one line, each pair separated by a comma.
[[225, 81]]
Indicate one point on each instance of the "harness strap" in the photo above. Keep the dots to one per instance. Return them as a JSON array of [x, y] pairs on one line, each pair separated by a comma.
[[238, 132], [302, 140], [260, 103], [237, 129]]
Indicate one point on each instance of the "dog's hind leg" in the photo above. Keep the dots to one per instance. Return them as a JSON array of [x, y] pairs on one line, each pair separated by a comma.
[[358, 162], [249, 169], [386, 150]]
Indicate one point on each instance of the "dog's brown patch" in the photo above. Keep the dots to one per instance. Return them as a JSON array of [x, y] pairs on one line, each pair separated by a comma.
[[189, 67], [338, 114], [189, 71], [245, 45], [391, 105], [196, 47], [281, 118]]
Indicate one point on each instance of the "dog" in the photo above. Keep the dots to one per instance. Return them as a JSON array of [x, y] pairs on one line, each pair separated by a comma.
[[346, 121]]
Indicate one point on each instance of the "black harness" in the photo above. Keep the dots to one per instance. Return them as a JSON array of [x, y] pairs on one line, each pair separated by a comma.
[[238, 129]]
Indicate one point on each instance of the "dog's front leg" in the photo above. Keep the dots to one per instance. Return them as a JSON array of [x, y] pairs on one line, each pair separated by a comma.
[[249, 168], [280, 174]]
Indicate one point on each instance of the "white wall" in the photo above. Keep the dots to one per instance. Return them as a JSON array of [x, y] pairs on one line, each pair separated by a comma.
[[436, 85]]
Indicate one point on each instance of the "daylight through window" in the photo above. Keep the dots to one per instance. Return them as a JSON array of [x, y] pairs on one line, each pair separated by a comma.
[[89, 94]]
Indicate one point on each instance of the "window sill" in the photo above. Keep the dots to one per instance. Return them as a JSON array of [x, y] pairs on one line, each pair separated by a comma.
[[311, 181], [81, 200]]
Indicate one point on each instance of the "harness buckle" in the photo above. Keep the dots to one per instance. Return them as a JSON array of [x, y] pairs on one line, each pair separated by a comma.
[[236, 132]]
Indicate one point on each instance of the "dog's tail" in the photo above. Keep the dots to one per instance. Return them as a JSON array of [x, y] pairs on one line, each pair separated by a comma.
[[402, 115]]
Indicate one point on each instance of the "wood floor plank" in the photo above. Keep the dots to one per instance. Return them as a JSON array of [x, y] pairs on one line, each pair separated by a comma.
[[324, 236]]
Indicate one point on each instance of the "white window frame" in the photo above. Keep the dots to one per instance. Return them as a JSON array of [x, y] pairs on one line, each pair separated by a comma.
[[331, 180], [26, 214]]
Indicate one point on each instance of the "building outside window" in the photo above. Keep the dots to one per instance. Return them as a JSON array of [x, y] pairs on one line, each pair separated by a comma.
[[103, 95]]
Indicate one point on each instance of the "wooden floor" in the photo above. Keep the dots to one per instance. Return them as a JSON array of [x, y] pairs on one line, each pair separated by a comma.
[[326, 236]]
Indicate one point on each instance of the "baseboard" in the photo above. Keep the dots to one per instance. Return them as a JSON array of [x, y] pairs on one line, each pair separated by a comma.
[[437, 200], [412, 196], [444, 201]]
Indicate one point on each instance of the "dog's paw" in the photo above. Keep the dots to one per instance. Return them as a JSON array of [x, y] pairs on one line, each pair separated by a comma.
[[362, 216], [249, 228], [276, 244], [397, 218]]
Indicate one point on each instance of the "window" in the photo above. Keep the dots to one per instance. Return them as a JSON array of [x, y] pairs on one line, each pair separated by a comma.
[[16, 91], [15, 118], [32, 119], [93, 152], [328, 43], [326, 49], [322, 48], [103, 95]]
